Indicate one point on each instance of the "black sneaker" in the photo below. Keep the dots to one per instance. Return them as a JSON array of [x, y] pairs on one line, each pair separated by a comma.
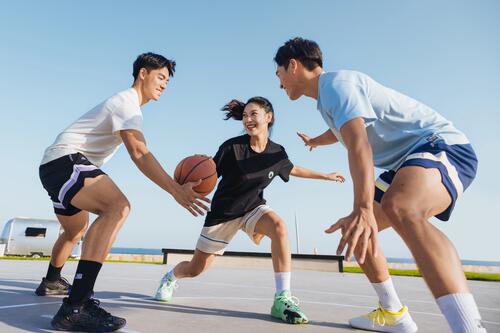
[[59, 287], [87, 316]]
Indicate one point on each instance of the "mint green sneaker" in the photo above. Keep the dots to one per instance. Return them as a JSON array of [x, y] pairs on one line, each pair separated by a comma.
[[166, 289], [286, 308]]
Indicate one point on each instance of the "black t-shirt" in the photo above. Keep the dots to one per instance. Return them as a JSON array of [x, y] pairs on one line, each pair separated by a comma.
[[245, 174]]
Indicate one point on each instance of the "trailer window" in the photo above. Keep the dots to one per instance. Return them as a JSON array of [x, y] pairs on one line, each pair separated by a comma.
[[35, 232]]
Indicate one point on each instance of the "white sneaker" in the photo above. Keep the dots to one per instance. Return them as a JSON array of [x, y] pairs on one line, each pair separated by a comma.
[[165, 290], [382, 320]]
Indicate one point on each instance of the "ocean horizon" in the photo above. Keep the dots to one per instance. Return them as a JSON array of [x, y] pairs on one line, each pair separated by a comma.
[[134, 250]]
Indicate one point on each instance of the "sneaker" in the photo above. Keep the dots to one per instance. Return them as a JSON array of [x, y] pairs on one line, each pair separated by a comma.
[[87, 316], [382, 320], [286, 308], [59, 287], [165, 290]]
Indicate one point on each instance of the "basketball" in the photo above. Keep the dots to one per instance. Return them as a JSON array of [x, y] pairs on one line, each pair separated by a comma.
[[194, 168]]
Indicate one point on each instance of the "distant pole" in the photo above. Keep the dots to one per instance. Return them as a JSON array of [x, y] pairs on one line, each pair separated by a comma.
[[297, 233]]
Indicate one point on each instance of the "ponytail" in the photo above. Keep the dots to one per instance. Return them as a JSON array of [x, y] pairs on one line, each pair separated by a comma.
[[234, 109]]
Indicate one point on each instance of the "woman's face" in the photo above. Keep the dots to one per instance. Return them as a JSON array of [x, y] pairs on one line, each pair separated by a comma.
[[255, 119]]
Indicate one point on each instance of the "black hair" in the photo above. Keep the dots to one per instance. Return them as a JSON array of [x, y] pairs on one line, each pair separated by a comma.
[[152, 61], [234, 109], [304, 50]]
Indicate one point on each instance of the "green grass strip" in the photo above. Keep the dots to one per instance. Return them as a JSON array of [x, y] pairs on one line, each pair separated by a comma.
[[414, 272], [397, 272]]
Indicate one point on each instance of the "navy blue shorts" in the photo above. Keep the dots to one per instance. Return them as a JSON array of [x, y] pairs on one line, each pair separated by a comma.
[[456, 163], [63, 177]]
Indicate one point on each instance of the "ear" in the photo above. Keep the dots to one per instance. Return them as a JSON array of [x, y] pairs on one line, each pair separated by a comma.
[[142, 73], [269, 117], [293, 65]]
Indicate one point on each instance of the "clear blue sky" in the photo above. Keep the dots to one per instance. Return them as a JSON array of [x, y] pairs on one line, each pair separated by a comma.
[[61, 58]]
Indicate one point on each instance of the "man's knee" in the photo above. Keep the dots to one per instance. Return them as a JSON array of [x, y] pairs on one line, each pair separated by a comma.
[[118, 209], [402, 215]]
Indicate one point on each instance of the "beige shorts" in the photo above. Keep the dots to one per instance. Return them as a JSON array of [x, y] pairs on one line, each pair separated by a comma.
[[216, 238]]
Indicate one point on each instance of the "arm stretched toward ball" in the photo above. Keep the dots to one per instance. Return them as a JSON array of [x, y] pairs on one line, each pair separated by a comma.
[[145, 161]]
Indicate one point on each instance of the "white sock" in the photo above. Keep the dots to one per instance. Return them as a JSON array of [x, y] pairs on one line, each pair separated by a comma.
[[282, 280], [387, 295], [171, 276], [461, 312]]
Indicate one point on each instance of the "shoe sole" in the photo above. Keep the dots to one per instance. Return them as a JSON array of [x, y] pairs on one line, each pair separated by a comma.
[[61, 327], [51, 292], [278, 316], [156, 298], [399, 328]]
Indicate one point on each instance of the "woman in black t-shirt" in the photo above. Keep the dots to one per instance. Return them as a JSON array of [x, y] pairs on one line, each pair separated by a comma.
[[247, 165]]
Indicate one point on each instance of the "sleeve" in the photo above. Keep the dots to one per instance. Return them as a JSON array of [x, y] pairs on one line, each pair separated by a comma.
[[126, 116], [347, 101], [219, 159], [286, 167]]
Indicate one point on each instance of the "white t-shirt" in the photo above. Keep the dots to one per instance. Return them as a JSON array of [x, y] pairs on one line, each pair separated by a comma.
[[96, 134]]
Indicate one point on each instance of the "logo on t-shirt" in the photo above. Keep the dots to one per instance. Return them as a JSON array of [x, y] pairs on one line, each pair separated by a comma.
[[270, 175]]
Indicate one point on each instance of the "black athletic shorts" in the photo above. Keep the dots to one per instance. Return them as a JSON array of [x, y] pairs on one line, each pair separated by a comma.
[[64, 177]]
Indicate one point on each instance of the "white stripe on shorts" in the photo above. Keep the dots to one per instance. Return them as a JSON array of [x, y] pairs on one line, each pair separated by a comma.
[[382, 184], [58, 205], [443, 159], [77, 168]]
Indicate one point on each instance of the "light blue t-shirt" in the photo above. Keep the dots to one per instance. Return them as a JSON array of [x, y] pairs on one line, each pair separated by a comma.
[[395, 123]]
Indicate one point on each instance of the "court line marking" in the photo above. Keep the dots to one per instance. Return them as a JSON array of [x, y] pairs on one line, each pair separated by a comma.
[[295, 289], [148, 299], [252, 287]]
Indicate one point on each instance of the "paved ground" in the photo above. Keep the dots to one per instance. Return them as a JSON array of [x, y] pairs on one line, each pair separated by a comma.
[[223, 300]]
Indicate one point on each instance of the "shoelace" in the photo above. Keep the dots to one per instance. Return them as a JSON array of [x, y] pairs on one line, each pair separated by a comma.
[[378, 317], [64, 282], [95, 308], [168, 283], [290, 301]]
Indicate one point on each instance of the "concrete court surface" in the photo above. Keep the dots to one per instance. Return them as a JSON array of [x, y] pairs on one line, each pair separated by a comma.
[[223, 299]]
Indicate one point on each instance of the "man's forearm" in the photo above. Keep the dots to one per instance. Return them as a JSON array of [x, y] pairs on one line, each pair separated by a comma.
[[152, 169], [327, 138], [361, 168]]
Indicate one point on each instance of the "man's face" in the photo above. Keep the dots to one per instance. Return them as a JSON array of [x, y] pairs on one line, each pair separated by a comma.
[[155, 82], [289, 82]]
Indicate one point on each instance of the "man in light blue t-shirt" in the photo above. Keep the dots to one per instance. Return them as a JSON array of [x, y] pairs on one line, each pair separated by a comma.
[[428, 163]]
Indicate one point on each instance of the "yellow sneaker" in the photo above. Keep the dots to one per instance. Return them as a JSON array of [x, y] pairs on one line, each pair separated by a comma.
[[382, 320]]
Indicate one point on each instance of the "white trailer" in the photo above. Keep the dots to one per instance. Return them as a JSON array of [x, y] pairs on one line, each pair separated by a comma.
[[23, 236]]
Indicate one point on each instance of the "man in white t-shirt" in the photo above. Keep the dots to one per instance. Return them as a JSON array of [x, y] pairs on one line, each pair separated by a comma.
[[429, 163], [70, 173]]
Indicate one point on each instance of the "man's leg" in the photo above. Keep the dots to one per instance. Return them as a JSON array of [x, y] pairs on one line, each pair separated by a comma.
[[284, 307], [197, 265], [396, 317], [415, 195], [102, 197], [74, 228], [375, 268]]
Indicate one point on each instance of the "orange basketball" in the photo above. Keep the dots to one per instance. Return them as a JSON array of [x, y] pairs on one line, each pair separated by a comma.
[[196, 167]]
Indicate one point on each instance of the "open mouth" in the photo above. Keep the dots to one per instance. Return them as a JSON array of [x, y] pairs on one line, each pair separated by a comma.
[[250, 126]]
